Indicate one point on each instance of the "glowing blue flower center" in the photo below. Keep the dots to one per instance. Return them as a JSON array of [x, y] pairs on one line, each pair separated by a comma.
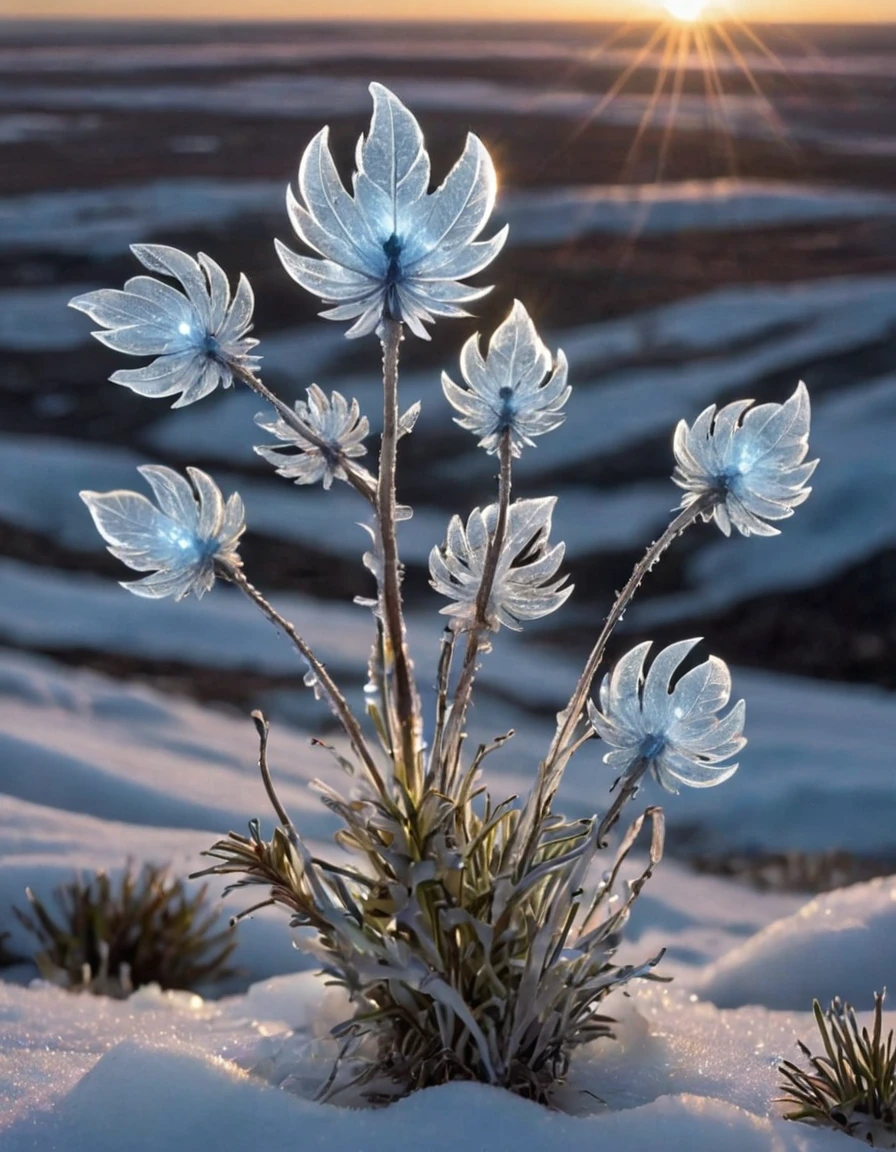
[[507, 411], [392, 248], [652, 746]]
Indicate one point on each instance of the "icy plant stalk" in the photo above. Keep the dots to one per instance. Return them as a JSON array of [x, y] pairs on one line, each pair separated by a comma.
[[468, 934]]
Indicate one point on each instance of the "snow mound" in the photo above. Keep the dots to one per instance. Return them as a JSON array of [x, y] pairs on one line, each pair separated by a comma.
[[842, 944]]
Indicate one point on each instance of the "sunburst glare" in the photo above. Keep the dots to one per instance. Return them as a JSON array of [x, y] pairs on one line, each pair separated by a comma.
[[686, 10]]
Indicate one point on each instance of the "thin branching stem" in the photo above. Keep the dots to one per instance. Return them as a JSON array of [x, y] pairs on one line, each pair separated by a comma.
[[263, 728], [569, 718], [481, 622], [627, 786], [407, 706], [338, 702], [436, 763], [358, 477]]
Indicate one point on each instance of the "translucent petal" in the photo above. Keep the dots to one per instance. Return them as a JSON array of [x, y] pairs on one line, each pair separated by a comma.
[[657, 698], [165, 376], [392, 155], [393, 241], [519, 591], [749, 460], [211, 503], [181, 540], [172, 262], [173, 494], [218, 291], [459, 208], [680, 735], [117, 309]]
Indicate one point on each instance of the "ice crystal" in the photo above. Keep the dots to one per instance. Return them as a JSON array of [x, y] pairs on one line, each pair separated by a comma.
[[198, 336], [339, 425], [750, 460], [677, 733], [180, 541], [394, 249], [517, 388], [521, 588]]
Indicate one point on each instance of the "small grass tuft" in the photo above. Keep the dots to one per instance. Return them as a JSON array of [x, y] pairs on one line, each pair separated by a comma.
[[110, 939], [853, 1087]]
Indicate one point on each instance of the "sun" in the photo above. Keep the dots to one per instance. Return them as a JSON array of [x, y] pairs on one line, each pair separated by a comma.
[[687, 11]]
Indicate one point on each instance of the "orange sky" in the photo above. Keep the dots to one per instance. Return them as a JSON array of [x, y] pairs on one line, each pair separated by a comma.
[[791, 10]]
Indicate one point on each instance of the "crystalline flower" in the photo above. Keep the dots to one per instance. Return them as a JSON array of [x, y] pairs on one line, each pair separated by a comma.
[[394, 249], [180, 541], [517, 388], [336, 422], [519, 591], [678, 733], [753, 464], [197, 338]]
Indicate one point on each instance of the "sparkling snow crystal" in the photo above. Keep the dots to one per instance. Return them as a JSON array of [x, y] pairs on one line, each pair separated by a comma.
[[180, 541], [677, 734], [198, 338], [395, 249]]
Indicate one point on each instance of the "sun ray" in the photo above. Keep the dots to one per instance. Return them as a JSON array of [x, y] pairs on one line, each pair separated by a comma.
[[769, 112], [684, 47], [621, 82], [715, 95], [756, 39], [658, 89]]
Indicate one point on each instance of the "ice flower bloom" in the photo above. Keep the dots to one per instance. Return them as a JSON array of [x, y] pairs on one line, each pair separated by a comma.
[[339, 424], [394, 249], [518, 388], [181, 541], [520, 590], [198, 336], [677, 733], [750, 463]]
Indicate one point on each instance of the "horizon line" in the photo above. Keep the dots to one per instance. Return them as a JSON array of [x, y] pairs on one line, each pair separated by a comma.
[[420, 21]]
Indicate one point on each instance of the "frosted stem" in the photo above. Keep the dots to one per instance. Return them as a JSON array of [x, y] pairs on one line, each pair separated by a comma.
[[569, 717], [628, 786], [359, 478], [407, 706], [337, 701], [481, 623], [551, 768]]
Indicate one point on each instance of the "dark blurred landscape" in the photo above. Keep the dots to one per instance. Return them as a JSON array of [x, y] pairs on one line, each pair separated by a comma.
[[685, 250]]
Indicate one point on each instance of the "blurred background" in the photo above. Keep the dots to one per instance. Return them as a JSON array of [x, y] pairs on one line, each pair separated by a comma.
[[702, 209]]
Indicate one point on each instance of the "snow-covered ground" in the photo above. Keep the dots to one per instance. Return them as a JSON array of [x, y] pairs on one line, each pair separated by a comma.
[[95, 771], [103, 221]]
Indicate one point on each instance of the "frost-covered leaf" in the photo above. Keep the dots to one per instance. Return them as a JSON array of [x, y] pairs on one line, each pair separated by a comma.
[[198, 336], [750, 461], [393, 249], [524, 587], [676, 731], [179, 541], [518, 388]]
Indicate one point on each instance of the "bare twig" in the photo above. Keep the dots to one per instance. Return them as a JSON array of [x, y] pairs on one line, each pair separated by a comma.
[[337, 700]]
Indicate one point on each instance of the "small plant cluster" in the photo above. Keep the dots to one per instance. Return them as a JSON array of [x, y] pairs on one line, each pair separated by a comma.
[[852, 1087], [110, 939], [465, 930]]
